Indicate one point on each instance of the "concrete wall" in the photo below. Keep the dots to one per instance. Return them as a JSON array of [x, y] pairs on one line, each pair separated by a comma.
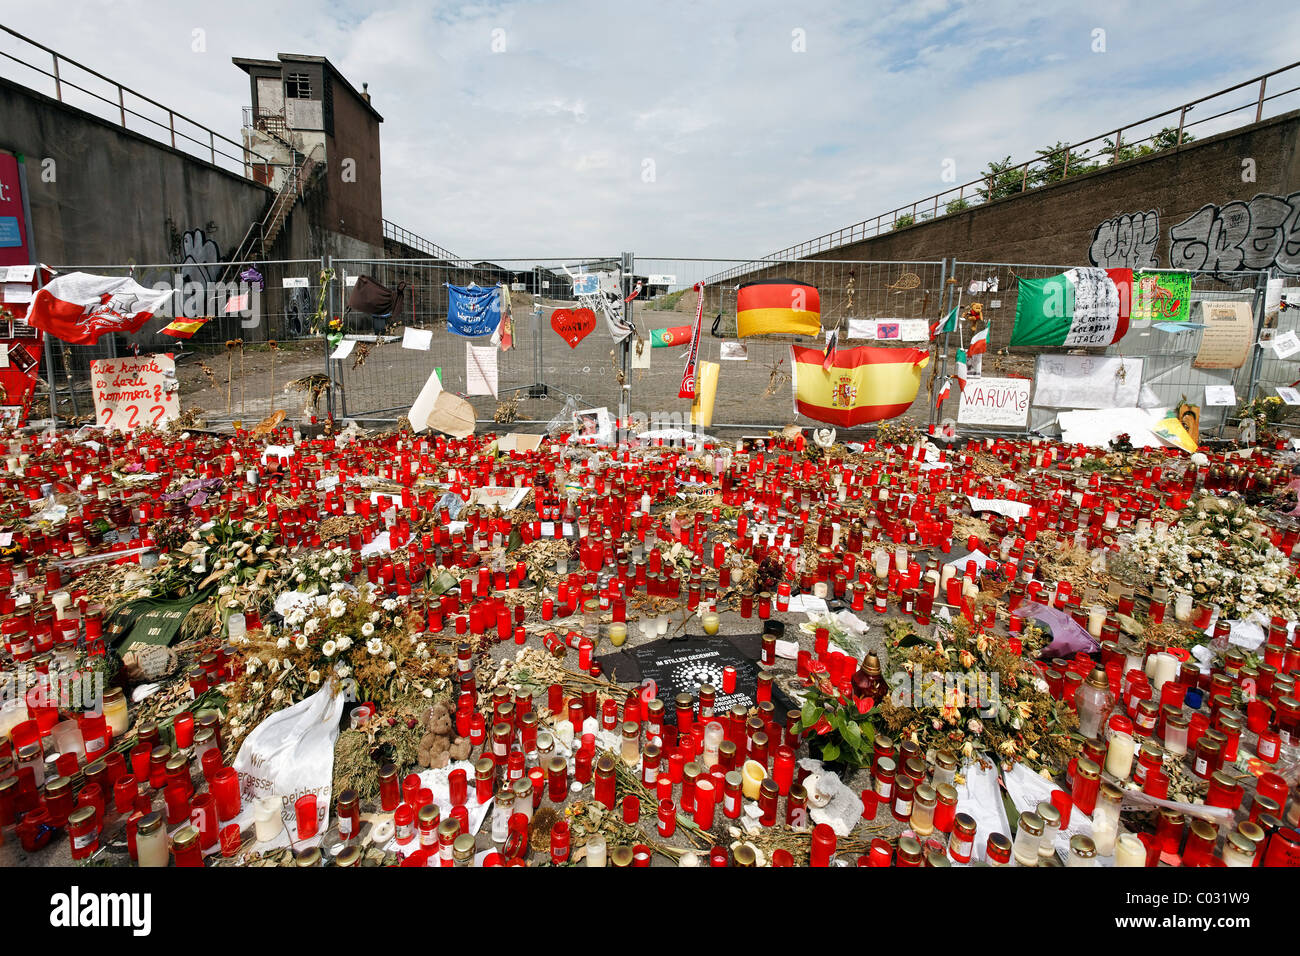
[[117, 197], [1189, 207], [114, 196]]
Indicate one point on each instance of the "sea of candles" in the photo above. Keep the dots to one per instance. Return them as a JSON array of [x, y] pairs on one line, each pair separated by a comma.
[[872, 538]]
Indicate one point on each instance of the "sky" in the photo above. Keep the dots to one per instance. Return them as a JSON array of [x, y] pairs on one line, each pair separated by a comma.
[[683, 129]]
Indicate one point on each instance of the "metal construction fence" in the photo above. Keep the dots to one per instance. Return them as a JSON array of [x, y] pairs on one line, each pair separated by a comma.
[[1168, 352], [543, 377]]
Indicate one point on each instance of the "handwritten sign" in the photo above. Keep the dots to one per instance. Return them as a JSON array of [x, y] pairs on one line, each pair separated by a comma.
[[135, 392], [995, 401]]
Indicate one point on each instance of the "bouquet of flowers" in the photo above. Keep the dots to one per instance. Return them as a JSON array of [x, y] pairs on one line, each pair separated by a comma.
[[973, 693], [373, 648], [1223, 553]]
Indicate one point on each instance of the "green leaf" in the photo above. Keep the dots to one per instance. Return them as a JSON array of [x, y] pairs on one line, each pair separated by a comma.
[[810, 714], [853, 734], [830, 752], [912, 640]]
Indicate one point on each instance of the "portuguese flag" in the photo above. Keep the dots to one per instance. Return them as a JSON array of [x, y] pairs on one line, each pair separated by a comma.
[[778, 307], [1081, 307], [677, 335], [864, 384]]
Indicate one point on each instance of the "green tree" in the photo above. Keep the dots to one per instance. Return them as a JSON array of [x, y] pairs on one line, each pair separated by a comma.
[[1000, 180], [1056, 164], [957, 205], [1167, 138], [903, 221]]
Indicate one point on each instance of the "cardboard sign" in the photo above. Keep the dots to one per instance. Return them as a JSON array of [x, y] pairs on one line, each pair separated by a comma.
[[134, 392], [573, 325], [995, 401]]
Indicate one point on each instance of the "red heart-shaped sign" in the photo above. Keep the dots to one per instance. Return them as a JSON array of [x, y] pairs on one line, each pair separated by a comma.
[[573, 326]]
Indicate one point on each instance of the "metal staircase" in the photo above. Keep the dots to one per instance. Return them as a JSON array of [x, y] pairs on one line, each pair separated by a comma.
[[261, 234]]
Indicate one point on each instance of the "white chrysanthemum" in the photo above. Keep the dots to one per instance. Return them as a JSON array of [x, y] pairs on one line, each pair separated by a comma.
[[337, 608], [374, 646], [328, 648], [282, 643], [301, 642], [367, 629]]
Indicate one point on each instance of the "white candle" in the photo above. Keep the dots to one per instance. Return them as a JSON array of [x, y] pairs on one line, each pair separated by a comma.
[[267, 822], [1130, 851], [1167, 667], [1183, 607], [596, 850], [1119, 756], [1096, 618]]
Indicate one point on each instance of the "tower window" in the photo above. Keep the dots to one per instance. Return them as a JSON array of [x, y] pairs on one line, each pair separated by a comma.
[[298, 86]]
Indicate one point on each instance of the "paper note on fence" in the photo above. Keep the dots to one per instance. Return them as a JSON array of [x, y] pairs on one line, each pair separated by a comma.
[[1220, 395], [480, 370], [1289, 395], [345, 349], [733, 352], [419, 339], [640, 352], [1229, 330], [1286, 345], [1087, 381]]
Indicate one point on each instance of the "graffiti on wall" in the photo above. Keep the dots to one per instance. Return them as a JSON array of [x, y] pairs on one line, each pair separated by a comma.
[[1259, 234], [1126, 241]]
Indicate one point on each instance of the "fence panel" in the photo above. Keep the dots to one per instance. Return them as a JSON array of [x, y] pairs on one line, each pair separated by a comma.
[[1169, 372], [756, 392], [281, 308], [381, 379], [1272, 372]]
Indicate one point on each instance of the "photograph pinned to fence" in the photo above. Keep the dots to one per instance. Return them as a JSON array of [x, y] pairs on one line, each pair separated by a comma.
[[593, 426], [1289, 395], [733, 352]]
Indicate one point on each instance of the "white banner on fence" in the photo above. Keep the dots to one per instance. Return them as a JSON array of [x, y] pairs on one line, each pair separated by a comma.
[[889, 330], [995, 401], [1087, 381]]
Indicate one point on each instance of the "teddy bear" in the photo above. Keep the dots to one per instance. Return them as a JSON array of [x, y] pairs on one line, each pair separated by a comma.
[[440, 745]]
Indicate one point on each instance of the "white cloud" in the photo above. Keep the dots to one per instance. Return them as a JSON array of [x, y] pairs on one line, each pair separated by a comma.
[[754, 146]]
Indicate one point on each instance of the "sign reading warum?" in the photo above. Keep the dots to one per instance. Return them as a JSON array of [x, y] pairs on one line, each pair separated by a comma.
[[133, 392], [995, 401]]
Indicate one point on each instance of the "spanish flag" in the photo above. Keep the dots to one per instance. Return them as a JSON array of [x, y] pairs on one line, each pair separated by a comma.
[[184, 328], [865, 384], [778, 307]]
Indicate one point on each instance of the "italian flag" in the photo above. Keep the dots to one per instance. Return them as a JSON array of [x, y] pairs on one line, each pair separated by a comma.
[[979, 343], [944, 392], [1078, 308], [863, 384], [962, 372]]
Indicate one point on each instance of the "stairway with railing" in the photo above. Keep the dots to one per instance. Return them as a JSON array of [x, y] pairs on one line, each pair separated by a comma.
[[261, 234]]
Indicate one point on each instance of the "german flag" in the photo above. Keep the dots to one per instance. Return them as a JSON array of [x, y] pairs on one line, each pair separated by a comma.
[[778, 307], [184, 328], [864, 384]]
